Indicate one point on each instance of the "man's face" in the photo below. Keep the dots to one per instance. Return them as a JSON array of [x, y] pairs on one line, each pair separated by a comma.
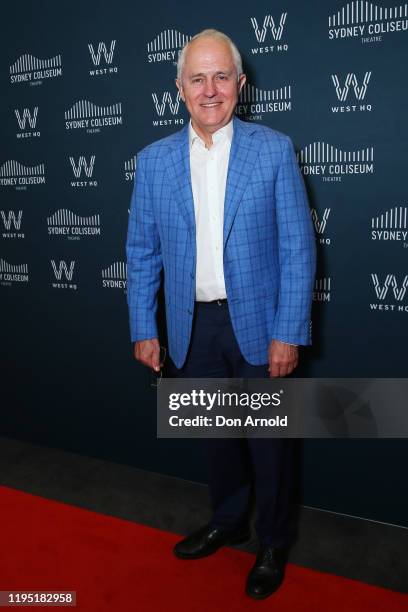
[[209, 84]]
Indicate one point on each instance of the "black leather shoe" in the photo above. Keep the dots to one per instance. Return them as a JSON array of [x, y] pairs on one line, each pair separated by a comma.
[[267, 574], [207, 540]]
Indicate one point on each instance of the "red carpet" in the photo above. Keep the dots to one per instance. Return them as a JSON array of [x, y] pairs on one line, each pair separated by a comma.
[[120, 566]]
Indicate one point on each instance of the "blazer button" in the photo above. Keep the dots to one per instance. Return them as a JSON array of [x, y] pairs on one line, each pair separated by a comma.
[[190, 312], [192, 274]]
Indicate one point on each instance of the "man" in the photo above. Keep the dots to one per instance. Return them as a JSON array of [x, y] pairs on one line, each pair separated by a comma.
[[221, 207]]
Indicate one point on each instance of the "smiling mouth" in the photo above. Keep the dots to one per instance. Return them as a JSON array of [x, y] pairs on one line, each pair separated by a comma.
[[211, 104]]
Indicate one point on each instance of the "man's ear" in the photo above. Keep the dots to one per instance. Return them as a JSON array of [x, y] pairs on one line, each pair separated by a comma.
[[241, 82], [180, 88]]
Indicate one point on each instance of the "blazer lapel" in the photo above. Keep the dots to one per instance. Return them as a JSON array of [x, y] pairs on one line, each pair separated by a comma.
[[178, 167], [243, 156]]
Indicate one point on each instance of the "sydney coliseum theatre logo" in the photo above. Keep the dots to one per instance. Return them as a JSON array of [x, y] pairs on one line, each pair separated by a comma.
[[30, 69], [166, 46], [333, 164], [253, 102], [14, 174], [67, 224], [367, 21], [87, 116], [391, 226], [13, 273], [115, 276]]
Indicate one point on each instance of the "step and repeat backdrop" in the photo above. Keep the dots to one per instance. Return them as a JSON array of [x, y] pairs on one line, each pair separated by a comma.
[[84, 88]]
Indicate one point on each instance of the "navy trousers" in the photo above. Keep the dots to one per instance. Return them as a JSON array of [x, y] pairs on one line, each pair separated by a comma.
[[239, 467]]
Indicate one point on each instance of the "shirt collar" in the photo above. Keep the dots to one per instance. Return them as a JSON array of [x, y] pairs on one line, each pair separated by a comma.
[[224, 132]]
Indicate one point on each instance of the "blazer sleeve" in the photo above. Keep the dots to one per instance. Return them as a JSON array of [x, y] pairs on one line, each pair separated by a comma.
[[144, 259], [297, 253]]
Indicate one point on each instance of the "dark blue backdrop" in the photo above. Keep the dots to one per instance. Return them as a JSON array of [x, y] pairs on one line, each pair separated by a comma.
[[318, 73]]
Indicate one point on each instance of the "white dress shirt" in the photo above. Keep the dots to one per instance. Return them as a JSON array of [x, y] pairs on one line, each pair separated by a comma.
[[209, 169]]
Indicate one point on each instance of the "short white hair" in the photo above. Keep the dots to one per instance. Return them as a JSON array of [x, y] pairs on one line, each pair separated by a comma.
[[216, 35]]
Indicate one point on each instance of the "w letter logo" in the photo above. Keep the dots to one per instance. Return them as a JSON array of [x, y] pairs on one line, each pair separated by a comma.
[[268, 22], [166, 99], [62, 268], [11, 218], [390, 281], [351, 81], [320, 226], [82, 163], [22, 120], [96, 57]]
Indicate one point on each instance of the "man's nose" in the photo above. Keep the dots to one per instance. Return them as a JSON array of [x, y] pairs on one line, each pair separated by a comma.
[[210, 89]]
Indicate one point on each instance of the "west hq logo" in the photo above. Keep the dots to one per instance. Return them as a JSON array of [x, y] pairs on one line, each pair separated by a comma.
[[12, 224], [63, 274], [166, 46], [13, 273], [391, 293], [332, 163], [86, 115], [167, 109], [253, 102], [391, 226], [83, 170], [27, 122], [67, 224], [320, 223], [102, 58], [352, 91], [367, 21], [30, 69], [268, 33], [14, 174]]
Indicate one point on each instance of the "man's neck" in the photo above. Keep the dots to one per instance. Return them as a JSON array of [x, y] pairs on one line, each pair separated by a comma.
[[205, 136]]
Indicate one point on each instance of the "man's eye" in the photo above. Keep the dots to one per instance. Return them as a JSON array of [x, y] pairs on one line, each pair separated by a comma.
[[222, 77], [196, 81]]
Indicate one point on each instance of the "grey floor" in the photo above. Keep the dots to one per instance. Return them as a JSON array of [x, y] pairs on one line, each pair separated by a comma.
[[374, 553]]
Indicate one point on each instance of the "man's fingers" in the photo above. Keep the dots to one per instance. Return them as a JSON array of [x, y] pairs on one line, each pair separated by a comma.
[[148, 353]]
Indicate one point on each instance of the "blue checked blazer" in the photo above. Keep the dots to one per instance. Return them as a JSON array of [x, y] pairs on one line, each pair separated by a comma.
[[269, 243]]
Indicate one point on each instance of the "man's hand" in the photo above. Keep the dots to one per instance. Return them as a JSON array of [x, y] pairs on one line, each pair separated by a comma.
[[148, 353], [283, 358]]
